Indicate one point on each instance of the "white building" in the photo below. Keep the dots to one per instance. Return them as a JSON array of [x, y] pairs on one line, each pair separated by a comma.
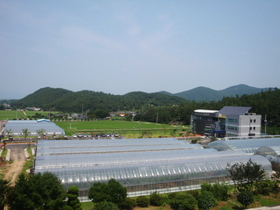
[[230, 121]]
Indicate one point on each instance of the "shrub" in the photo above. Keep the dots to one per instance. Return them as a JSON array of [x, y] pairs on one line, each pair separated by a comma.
[[73, 201], [206, 200], [142, 201], [156, 199], [105, 206], [219, 191], [194, 193], [129, 203], [245, 198], [172, 195], [183, 201], [264, 187]]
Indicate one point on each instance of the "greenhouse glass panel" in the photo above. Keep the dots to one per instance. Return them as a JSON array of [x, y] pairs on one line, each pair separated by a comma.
[[247, 145], [272, 151], [141, 172]]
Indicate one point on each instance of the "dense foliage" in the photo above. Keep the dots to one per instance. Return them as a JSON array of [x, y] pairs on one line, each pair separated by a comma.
[[263, 103], [40, 191], [156, 199], [206, 201], [219, 191], [246, 175], [3, 193], [143, 201], [112, 192], [183, 201], [245, 198], [67, 101], [73, 201], [129, 204]]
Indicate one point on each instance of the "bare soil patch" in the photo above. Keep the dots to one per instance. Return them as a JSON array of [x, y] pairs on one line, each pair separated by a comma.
[[13, 171]]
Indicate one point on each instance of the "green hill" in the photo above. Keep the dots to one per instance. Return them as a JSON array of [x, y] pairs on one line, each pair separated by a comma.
[[68, 101], [208, 94]]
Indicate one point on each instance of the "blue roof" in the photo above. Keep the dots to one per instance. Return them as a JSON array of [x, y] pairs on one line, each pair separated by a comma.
[[43, 120], [234, 110]]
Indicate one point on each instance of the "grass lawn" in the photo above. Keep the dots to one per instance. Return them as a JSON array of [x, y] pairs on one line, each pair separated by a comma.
[[123, 128], [87, 206], [12, 114]]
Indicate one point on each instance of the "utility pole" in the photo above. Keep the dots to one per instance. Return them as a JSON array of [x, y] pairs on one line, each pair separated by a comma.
[[157, 119], [265, 122]]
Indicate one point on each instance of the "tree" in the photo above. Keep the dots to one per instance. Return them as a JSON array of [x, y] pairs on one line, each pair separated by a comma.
[[206, 200], [73, 201], [117, 192], [246, 175], [183, 201], [39, 191], [25, 133], [3, 193], [112, 192], [245, 198], [41, 132], [9, 132], [101, 114], [99, 192]]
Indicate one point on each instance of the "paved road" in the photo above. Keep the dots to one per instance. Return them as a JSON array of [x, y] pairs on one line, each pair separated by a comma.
[[17, 151]]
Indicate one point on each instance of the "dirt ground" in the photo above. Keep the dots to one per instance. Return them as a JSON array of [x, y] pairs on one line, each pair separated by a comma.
[[14, 169]]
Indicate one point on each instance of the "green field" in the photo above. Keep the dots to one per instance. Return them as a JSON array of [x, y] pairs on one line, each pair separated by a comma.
[[12, 115], [128, 129], [123, 128]]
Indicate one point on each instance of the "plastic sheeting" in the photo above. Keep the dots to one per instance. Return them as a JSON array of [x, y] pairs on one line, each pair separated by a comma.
[[249, 145], [167, 166], [16, 127]]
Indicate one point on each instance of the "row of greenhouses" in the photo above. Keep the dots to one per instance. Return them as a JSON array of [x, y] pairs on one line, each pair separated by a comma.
[[143, 166]]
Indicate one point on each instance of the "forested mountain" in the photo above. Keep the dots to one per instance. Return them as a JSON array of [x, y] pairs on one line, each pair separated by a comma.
[[208, 94], [68, 101]]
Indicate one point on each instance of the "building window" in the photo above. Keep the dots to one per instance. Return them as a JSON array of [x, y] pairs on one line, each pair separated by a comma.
[[254, 120]]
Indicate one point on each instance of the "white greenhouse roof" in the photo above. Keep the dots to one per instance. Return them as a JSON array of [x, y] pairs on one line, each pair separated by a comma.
[[205, 111], [16, 127], [247, 145]]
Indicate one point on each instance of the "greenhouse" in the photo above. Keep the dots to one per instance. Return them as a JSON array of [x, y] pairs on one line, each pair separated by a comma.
[[16, 127], [63, 147], [248, 145], [143, 171], [268, 150]]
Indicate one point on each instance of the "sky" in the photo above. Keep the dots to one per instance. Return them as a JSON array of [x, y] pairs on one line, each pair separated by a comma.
[[119, 46]]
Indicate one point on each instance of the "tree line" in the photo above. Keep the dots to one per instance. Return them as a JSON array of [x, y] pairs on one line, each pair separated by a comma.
[[152, 107], [265, 103]]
